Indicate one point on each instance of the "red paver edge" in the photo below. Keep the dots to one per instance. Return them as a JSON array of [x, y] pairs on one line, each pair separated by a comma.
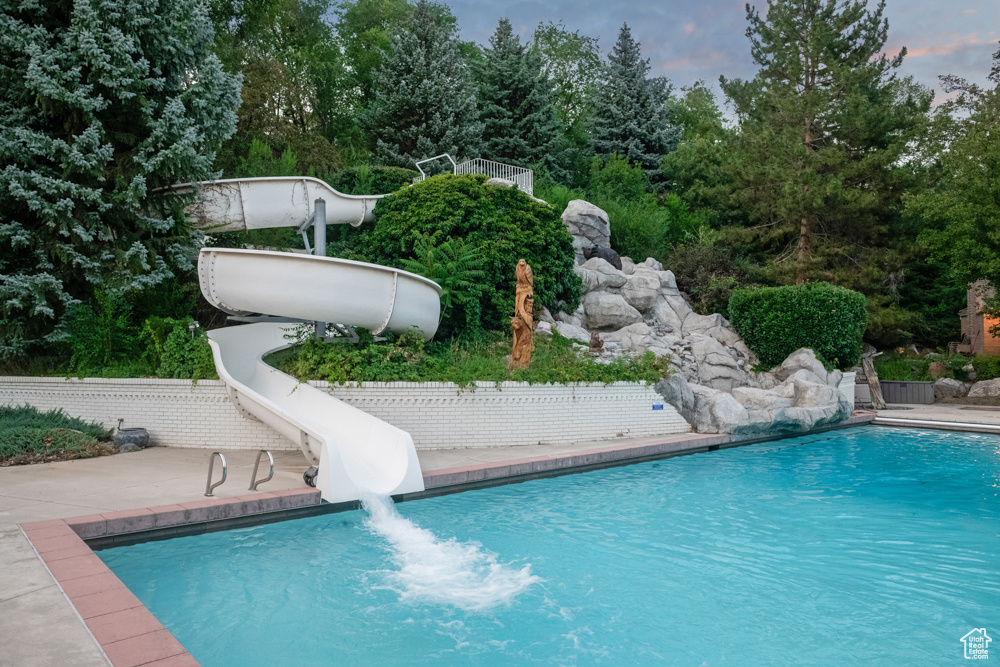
[[126, 632]]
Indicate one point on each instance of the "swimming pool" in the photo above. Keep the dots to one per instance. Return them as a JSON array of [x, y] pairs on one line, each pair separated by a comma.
[[869, 545]]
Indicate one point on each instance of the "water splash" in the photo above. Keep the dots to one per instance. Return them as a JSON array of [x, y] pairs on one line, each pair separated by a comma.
[[461, 574]]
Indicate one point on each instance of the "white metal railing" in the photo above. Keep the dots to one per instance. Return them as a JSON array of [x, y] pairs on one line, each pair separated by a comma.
[[523, 178]]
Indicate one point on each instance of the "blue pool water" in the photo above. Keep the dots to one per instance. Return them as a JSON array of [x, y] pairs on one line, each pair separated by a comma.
[[868, 546]]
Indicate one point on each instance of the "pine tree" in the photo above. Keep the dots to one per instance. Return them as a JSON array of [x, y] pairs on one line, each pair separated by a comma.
[[631, 117], [425, 102], [104, 102], [825, 129], [517, 109]]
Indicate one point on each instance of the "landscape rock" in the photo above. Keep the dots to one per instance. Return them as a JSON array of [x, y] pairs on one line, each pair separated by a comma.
[[760, 399], [676, 391], [576, 318], [985, 388], [597, 274], [543, 328], [650, 262], [628, 266], [716, 368], [607, 254], [663, 312], [641, 288], [970, 372], [717, 411], [608, 311], [937, 369], [588, 223], [802, 358], [695, 323], [567, 330], [668, 281], [949, 388]]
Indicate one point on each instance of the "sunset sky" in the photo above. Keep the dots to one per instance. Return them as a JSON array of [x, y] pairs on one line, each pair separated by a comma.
[[687, 40]]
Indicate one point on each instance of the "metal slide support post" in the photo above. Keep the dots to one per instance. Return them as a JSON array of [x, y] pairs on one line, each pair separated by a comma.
[[319, 246]]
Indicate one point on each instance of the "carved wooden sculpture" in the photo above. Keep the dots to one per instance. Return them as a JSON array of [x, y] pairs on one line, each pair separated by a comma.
[[523, 322]]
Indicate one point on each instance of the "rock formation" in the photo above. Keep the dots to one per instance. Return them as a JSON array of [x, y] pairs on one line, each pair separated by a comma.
[[639, 308]]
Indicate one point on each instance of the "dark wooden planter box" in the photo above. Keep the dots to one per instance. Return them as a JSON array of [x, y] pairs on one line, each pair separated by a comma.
[[895, 391]]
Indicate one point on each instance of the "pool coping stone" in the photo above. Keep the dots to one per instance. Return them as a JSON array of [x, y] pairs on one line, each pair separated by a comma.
[[130, 636]]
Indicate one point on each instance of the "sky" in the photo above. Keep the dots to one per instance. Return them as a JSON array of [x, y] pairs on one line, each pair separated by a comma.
[[688, 40]]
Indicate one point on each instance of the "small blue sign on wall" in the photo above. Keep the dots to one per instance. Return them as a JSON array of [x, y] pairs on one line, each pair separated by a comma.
[[657, 406]]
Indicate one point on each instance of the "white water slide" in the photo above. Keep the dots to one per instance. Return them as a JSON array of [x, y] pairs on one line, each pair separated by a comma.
[[354, 451]]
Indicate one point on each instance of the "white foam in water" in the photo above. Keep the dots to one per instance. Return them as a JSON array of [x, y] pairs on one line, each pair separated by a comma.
[[444, 571]]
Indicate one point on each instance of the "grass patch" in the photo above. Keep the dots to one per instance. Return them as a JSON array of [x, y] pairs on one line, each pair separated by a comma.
[[905, 367], [410, 359], [30, 436]]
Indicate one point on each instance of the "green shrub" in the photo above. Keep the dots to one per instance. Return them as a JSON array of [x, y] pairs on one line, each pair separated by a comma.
[[370, 180], [24, 431], [501, 223], [776, 321], [895, 367], [987, 368], [183, 354], [105, 341], [410, 359]]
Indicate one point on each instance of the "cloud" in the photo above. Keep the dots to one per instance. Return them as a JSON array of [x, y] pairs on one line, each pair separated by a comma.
[[689, 29], [944, 49]]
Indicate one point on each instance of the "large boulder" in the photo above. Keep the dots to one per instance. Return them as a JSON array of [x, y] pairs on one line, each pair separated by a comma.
[[949, 388], [695, 323], [716, 367], [803, 358], [567, 330], [599, 275], [608, 311], [664, 313], [717, 411], [587, 223], [641, 288], [639, 337], [607, 254], [985, 389], [760, 399], [676, 391]]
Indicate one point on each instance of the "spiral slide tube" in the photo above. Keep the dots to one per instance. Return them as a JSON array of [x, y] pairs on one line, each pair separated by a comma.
[[354, 451]]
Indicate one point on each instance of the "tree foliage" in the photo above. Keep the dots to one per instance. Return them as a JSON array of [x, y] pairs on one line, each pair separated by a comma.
[[425, 102], [520, 122], [630, 116], [962, 213], [105, 102]]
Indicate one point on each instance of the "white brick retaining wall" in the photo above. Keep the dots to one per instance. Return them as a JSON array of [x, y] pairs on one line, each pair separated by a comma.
[[437, 415]]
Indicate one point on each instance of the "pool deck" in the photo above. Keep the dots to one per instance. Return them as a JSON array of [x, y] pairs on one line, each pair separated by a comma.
[[46, 563], [973, 418]]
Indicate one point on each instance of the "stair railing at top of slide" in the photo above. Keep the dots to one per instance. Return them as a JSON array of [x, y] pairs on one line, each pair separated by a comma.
[[523, 178]]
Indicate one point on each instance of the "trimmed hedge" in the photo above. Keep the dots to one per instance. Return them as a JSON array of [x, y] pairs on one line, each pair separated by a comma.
[[776, 321]]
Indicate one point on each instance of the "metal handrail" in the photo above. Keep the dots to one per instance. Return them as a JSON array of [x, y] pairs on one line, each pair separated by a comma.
[[209, 487], [431, 159], [254, 482]]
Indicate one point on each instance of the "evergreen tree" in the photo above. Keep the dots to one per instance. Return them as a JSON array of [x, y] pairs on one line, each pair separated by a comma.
[[631, 117], [105, 102], [819, 160], [961, 213], [520, 123], [425, 102]]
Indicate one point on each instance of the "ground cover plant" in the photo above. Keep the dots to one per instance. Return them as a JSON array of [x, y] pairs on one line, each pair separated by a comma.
[[409, 358], [30, 436]]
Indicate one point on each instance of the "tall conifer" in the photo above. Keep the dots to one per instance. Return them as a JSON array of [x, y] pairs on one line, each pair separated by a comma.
[[824, 132], [425, 102], [103, 105], [630, 116], [517, 105]]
